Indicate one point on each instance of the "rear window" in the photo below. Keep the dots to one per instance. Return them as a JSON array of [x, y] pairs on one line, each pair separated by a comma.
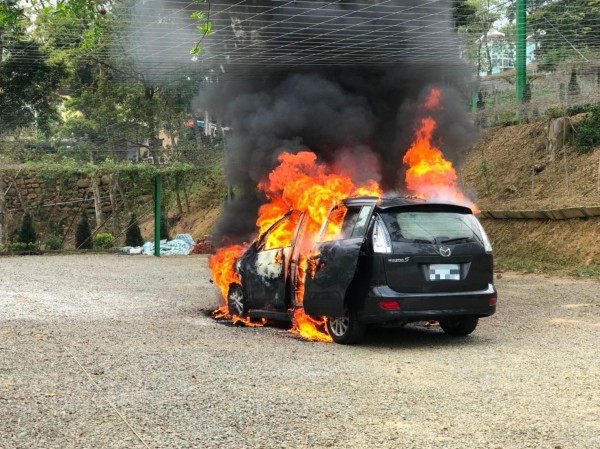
[[431, 227]]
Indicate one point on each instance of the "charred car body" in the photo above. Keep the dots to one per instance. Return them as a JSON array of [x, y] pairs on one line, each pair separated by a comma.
[[392, 261]]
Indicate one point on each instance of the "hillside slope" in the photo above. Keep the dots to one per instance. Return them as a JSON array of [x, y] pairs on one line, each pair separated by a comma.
[[510, 168]]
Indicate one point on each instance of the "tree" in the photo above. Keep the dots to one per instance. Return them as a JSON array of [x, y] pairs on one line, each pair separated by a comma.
[[28, 79], [83, 233], [133, 236], [565, 29], [474, 19], [27, 232]]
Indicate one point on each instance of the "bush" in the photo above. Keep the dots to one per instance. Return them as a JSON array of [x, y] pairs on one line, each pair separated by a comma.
[[22, 246], [83, 234], [104, 240], [133, 236], [27, 233], [53, 243], [587, 136]]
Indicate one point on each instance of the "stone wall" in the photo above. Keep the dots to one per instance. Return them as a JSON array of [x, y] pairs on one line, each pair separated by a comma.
[[24, 190], [53, 203]]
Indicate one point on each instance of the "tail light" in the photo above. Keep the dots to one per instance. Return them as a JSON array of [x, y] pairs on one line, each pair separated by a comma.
[[493, 301], [382, 243], [389, 305]]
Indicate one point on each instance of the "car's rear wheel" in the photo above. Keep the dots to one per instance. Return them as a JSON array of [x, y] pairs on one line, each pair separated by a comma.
[[459, 327], [236, 301], [346, 329]]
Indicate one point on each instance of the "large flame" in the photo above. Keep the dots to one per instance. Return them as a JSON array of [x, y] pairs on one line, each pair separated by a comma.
[[223, 274], [300, 183], [430, 175]]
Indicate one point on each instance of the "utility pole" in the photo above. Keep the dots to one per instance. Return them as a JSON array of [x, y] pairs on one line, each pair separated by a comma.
[[157, 194], [521, 59]]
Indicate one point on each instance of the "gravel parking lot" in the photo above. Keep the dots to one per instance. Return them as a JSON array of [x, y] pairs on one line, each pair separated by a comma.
[[107, 351]]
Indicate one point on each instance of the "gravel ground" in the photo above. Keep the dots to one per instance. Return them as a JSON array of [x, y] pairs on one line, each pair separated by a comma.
[[97, 349]]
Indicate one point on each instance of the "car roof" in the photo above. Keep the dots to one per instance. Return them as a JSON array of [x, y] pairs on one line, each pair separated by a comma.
[[383, 203]]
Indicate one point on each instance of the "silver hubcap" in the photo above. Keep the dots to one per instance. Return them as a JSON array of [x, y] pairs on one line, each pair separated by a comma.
[[236, 301], [339, 325]]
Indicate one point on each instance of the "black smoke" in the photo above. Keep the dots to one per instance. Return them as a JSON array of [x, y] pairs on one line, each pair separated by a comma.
[[359, 113]]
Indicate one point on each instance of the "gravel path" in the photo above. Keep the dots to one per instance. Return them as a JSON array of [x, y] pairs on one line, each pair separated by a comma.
[[89, 342]]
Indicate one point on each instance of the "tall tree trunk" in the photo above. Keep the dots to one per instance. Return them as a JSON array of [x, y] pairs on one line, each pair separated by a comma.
[[126, 204], [185, 195], [2, 211], [114, 203], [97, 202], [178, 178]]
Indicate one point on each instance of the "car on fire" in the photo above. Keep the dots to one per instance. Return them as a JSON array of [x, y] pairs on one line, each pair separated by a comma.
[[392, 261]]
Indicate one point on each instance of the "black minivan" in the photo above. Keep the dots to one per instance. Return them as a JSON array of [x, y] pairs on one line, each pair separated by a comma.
[[394, 261]]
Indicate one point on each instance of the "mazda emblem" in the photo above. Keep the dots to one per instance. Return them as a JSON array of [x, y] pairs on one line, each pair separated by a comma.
[[445, 251]]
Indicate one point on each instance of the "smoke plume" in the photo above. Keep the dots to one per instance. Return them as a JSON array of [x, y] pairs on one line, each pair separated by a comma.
[[341, 79]]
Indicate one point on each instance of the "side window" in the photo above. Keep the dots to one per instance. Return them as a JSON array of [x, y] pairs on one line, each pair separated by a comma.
[[361, 222], [345, 222]]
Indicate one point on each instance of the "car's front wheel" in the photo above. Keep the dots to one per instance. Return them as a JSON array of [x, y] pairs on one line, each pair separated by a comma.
[[346, 329], [236, 301], [459, 327]]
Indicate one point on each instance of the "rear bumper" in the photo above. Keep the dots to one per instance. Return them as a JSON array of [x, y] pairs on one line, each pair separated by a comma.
[[426, 306]]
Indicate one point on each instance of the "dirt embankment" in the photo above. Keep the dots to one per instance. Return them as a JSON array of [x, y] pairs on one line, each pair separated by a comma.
[[511, 168]]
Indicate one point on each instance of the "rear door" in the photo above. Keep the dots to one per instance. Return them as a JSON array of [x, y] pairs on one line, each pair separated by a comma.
[[435, 250], [333, 266]]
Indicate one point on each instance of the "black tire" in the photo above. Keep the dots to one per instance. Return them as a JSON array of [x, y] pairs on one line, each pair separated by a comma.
[[236, 301], [459, 327], [346, 329]]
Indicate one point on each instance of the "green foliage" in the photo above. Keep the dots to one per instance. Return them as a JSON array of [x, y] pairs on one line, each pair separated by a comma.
[[22, 246], [557, 112], [28, 79], [204, 26], [53, 243], [587, 136], [463, 12], [83, 234], [570, 26], [133, 236], [103, 240], [27, 232]]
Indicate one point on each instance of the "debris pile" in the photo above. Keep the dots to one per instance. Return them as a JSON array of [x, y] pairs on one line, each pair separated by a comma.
[[181, 245], [203, 245]]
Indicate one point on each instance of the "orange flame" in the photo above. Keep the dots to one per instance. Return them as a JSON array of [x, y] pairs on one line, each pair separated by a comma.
[[222, 266], [429, 174]]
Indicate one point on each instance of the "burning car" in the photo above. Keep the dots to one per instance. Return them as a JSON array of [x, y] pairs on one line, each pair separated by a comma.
[[376, 261]]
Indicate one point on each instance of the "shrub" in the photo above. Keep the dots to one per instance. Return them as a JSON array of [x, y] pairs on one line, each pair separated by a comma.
[[83, 234], [53, 243], [133, 236], [22, 246], [104, 240], [27, 233], [587, 136]]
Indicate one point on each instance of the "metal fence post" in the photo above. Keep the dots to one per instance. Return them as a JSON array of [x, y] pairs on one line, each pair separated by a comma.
[[157, 193]]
